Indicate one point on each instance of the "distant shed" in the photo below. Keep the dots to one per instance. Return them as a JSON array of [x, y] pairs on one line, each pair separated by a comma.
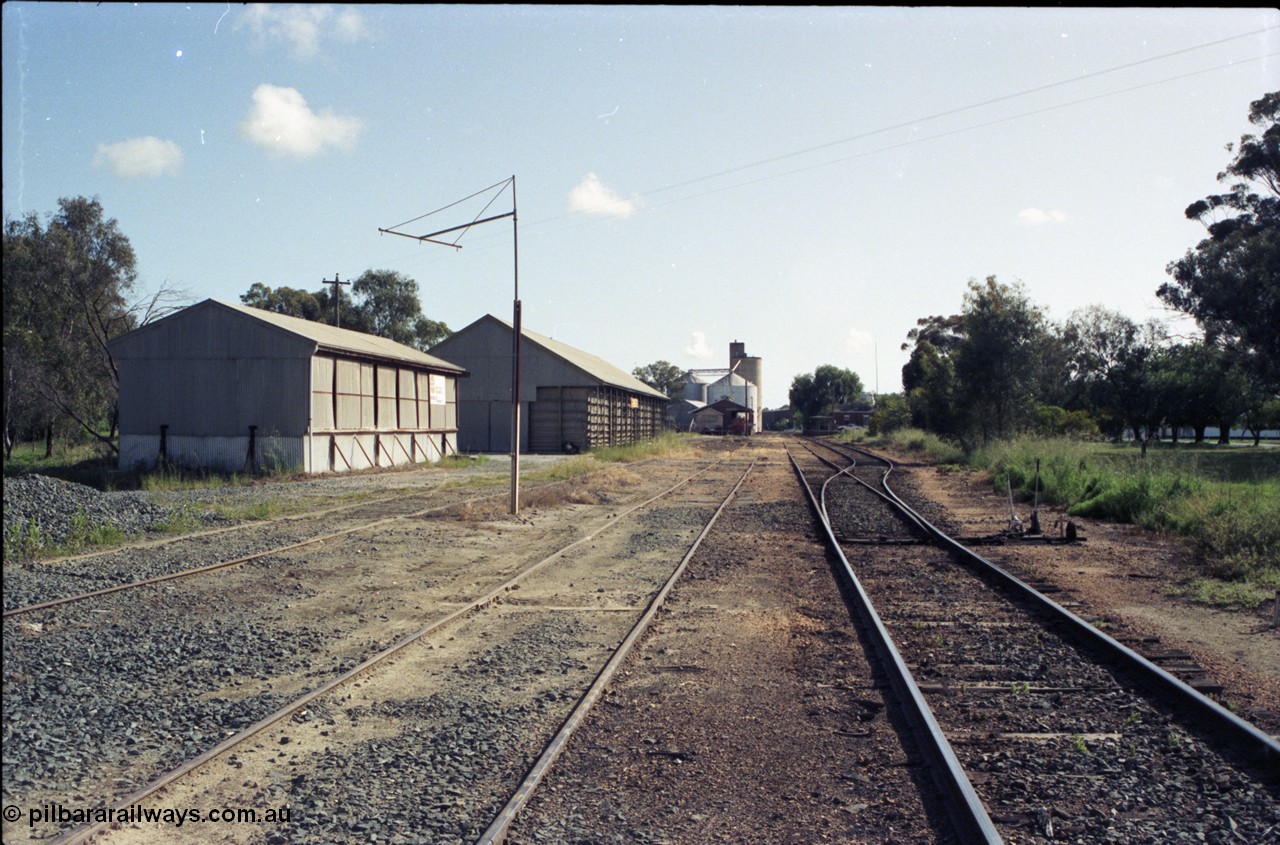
[[570, 399], [228, 387]]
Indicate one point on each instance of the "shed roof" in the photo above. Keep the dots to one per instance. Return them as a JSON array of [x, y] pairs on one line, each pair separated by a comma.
[[596, 367], [728, 405], [327, 338]]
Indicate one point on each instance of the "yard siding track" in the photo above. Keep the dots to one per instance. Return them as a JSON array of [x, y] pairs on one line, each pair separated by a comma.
[[1049, 716], [750, 713], [507, 600], [139, 564]]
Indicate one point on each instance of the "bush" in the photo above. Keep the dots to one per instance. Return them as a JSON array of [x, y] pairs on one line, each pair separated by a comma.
[[1226, 500], [924, 444], [1239, 537]]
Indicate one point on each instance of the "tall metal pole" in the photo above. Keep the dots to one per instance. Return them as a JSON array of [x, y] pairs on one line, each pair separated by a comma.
[[515, 319], [515, 360]]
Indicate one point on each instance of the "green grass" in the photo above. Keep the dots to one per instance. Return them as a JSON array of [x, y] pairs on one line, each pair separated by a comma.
[[563, 470], [84, 463], [461, 461], [912, 441], [171, 479], [1225, 594], [665, 445], [1226, 498], [25, 541]]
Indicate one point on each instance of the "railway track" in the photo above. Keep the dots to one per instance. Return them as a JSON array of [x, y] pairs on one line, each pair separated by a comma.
[[1042, 726], [749, 713], [498, 656], [428, 685], [46, 584]]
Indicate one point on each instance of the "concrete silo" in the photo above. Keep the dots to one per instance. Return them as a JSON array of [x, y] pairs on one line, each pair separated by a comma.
[[751, 369]]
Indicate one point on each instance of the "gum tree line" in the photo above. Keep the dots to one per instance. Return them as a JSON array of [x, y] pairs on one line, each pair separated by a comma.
[[382, 302], [1000, 367], [67, 287], [825, 389]]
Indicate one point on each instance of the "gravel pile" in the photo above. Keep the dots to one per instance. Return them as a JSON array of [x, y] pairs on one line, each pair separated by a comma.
[[56, 509]]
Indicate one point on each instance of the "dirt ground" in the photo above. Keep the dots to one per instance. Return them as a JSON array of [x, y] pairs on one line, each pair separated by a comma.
[[1121, 575], [748, 713]]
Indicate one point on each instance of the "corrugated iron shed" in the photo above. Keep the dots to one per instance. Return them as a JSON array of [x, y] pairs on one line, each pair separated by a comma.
[[227, 386], [573, 399]]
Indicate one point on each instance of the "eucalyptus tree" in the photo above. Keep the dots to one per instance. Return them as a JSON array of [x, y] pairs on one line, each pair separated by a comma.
[[292, 302], [1230, 282], [662, 375], [1117, 362], [388, 302], [66, 293], [382, 302], [998, 361], [826, 388]]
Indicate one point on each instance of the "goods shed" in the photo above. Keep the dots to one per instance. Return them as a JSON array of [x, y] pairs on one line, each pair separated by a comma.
[[723, 417], [233, 388], [570, 400]]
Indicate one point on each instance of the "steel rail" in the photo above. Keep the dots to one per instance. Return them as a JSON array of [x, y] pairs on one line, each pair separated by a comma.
[[225, 564], [90, 830], [1245, 738], [501, 826], [968, 814], [910, 515]]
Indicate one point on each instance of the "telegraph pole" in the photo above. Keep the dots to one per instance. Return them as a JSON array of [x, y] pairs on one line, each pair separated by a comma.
[[515, 359], [430, 237], [337, 298]]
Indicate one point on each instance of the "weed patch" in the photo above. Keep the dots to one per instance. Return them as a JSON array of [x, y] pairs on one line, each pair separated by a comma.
[[1225, 594], [1226, 499], [26, 540], [668, 444], [913, 441]]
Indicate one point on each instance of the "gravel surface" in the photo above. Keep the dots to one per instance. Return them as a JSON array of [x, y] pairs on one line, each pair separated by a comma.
[[57, 509], [102, 696]]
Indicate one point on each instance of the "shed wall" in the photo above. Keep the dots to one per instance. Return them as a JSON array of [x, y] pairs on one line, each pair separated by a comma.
[[559, 401], [214, 397], [192, 386]]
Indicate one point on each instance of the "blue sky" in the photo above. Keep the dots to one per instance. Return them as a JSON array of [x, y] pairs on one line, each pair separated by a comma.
[[808, 181]]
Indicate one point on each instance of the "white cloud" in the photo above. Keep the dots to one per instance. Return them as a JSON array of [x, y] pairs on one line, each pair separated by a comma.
[[592, 197], [1040, 217], [698, 347], [302, 26], [282, 122], [139, 157], [859, 340], [350, 26]]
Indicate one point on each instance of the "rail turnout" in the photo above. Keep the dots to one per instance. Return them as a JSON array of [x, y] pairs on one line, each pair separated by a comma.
[[1049, 717]]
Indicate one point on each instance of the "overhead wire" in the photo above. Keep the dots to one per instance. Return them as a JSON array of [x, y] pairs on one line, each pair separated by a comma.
[[901, 125], [501, 184]]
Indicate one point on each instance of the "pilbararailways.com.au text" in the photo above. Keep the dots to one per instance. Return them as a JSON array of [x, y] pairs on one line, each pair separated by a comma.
[[61, 814]]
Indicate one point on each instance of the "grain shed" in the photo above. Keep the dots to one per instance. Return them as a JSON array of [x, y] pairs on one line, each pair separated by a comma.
[[570, 400], [233, 388]]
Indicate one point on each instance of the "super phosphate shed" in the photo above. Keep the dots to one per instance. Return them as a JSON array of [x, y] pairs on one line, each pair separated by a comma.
[[228, 387], [570, 399]]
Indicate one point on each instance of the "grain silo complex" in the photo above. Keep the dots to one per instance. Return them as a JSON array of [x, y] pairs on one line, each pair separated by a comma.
[[570, 400], [233, 388], [738, 384]]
